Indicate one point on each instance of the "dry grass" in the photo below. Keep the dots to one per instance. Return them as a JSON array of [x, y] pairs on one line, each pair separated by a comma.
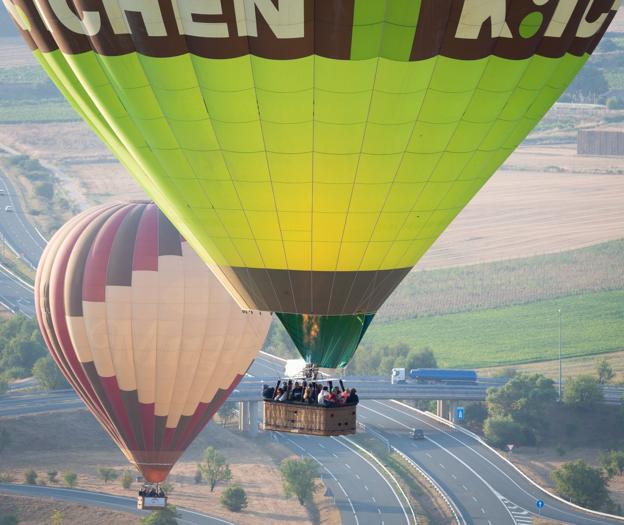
[[37, 511], [74, 441], [530, 211], [572, 367], [14, 52]]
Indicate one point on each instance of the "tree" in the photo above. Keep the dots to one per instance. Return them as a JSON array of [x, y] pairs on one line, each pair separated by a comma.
[[8, 519], [227, 412], [582, 392], [422, 358], [165, 516], [589, 84], [5, 439], [604, 371], [198, 477], [214, 468], [613, 462], [30, 476], [52, 476], [107, 474], [525, 399], [4, 385], [126, 479], [70, 478], [500, 431], [234, 498], [58, 518], [298, 477], [582, 485], [47, 374]]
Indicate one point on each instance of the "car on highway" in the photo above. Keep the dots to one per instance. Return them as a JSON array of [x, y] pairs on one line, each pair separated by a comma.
[[8, 208], [418, 433]]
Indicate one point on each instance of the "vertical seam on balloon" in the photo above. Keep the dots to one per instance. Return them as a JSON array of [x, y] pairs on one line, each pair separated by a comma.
[[443, 151], [201, 351], [313, 157], [365, 296], [519, 122], [344, 227], [279, 222]]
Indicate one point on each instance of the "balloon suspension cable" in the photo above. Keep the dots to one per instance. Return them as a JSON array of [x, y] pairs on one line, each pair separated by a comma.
[[310, 371]]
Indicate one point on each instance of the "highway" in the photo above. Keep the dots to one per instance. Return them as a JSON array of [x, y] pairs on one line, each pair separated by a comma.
[[96, 499], [483, 485], [363, 492], [16, 230]]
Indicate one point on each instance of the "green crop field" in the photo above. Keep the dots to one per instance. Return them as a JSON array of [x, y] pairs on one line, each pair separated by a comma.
[[14, 112], [593, 323]]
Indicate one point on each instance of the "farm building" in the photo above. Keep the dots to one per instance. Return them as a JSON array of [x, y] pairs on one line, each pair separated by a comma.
[[601, 141]]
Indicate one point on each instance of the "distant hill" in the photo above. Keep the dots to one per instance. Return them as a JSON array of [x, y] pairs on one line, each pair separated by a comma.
[[7, 27]]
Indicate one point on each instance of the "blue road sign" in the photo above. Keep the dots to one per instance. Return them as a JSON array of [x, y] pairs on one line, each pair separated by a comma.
[[539, 504], [460, 413]]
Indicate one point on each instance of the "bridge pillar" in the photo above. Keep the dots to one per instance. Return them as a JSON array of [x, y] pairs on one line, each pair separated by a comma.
[[453, 411], [442, 408], [254, 418], [243, 416], [248, 417]]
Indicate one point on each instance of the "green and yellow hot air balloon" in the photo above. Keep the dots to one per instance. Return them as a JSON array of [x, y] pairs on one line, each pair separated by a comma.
[[311, 151]]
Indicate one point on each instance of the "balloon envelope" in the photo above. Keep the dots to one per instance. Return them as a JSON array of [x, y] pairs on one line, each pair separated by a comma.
[[311, 150], [142, 330]]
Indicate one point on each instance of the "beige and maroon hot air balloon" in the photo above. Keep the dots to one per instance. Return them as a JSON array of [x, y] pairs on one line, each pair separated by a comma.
[[142, 329]]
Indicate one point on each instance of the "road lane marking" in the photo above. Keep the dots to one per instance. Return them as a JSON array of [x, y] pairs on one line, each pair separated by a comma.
[[482, 510], [443, 466], [453, 476], [465, 488], [357, 476], [348, 466], [475, 499], [366, 487]]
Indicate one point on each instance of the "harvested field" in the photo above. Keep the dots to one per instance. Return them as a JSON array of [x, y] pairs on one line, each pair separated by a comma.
[[571, 367], [75, 441], [506, 283], [14, 52], [36, 511], [529, 210], [90, 174]]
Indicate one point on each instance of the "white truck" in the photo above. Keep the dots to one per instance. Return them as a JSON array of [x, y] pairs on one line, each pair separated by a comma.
[[398, 376]]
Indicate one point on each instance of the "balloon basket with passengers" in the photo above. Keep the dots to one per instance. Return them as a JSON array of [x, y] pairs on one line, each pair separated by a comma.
[[310, 401], [151, 497]]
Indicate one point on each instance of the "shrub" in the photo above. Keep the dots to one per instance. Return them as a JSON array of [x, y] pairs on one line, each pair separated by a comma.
[[126, 479], [582, 485], [500, 431], [30, 476], [52, 476], [70, 478], [234, 499], [107, 474], [8, 519]]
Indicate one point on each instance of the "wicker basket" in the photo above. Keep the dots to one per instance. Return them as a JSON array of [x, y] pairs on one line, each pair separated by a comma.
[[309, 419]]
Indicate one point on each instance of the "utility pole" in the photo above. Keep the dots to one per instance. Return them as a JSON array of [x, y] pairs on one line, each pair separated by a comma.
[[560, 364]]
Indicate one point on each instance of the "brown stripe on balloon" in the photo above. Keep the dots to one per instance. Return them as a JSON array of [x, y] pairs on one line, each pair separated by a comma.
[[317, 294], [96, 265], [333, 28], [169, 240], [37, 31], [203, 414], [145, 257], [119, 272], [160, 424], [130, 400], [115, 397], [77, 262]]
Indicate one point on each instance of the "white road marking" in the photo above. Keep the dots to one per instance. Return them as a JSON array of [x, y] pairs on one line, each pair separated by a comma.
[[373, 498], [427, 454], [348, 466], [443, 466], [465, 488], [482, 510], [357, 476], [475, 499], [453, 476], [366, 487]]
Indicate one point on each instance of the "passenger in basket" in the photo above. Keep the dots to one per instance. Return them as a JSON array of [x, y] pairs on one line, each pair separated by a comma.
[[268, 392], [297, 392], [353, 398], [330, 399], [284, 396], [306, 395], [322, 395]]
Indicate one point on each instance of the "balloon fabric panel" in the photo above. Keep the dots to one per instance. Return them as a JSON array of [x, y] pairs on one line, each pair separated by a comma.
[[334, 160], [142, 330]]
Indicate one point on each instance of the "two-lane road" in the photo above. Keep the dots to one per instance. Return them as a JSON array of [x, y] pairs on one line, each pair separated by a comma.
[[484, 486], [108, 501]]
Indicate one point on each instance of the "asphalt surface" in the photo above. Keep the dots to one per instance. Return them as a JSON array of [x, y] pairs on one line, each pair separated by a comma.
[[119, 503], [15, 228], [361, 489], [484, 487]]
